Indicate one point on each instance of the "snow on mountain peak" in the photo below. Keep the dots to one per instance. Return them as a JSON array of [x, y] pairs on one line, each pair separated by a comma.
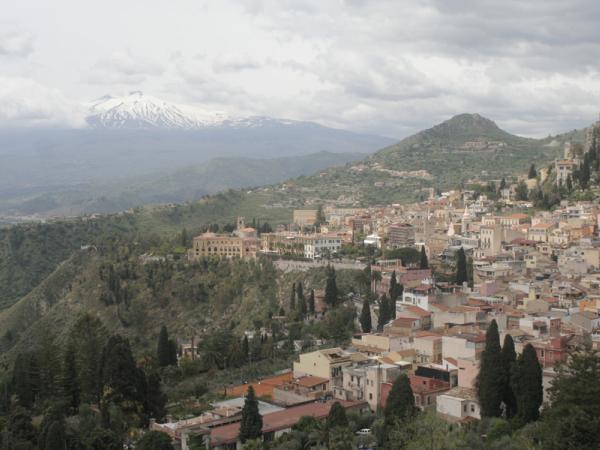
[[137, 110]]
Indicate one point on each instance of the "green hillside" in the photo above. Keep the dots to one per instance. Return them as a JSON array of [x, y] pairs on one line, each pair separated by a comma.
[[444, 156]]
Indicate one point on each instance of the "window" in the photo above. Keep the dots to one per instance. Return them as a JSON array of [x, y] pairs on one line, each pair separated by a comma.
[[472, 408], [464, 408], [370, 396]]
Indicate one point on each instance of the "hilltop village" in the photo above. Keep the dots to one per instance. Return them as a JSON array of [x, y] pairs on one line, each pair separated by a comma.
[[441, 272]]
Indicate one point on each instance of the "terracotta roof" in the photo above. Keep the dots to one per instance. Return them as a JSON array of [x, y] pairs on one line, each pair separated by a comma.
[[310, 381], [262, 388], [403, 321], [418, 311], [280, 420]]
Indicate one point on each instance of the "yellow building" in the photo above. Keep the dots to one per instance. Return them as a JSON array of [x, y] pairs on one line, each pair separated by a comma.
[[305, 217]]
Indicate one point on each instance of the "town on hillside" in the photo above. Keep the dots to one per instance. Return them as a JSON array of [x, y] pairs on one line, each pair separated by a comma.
[[451, 278]]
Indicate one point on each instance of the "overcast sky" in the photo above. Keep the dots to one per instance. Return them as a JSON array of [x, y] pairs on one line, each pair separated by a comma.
[[386, 67]]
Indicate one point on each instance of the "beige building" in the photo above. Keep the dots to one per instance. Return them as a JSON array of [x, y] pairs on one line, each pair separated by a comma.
[[401, 235], [490, 239], [223, 245], [325, 363], [428, 348]]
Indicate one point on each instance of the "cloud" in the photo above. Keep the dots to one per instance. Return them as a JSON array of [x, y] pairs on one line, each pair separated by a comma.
[[26, 103], [123, 68], [391, 67], [14, 43]]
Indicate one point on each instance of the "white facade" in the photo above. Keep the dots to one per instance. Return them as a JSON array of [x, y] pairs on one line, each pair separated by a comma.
[[459, 403], [322, 245]]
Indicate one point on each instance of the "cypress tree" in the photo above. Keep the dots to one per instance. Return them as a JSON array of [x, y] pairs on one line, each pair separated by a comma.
[[299, 291], [384, 314], [331, 292], [311, 302], [172, 352], [461, 267], [69, 380], [532, 172], [155, 398], [502, 184], [365, 317], [424, 262], [337, 416], [302, 307], [293, 297], [527, 385], [490, 379], [23, 374], [393, 284], [400, 404], [163, 350], [509, 357], [251, 424], [584, 173]]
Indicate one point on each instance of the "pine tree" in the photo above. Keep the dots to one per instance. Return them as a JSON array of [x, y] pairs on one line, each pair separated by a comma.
[[424, 262], [365, 317], [88, 336], [163, 351], [55, 437], [527, 385], [69, 380], [155, 440], [120, 378], [532, 172], [251, 423], [572, 419], [400, 404], [461, 267], [490, 380], [337, 416], [293, 298], [509, 357], [22, 379], [311, 302], [331, 292]]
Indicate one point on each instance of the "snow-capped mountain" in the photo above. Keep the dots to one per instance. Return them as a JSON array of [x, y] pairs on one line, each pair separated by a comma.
[[140, 111]]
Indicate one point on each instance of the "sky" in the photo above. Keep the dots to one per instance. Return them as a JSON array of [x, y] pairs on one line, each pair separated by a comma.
[[377, 66]]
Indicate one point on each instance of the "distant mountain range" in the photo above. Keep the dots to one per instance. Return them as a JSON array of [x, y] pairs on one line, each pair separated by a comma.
[[138, 136]]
